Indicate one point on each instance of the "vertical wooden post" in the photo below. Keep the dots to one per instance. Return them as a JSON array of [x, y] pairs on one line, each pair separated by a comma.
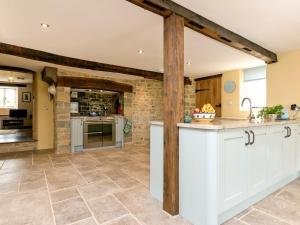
[[173, 107]]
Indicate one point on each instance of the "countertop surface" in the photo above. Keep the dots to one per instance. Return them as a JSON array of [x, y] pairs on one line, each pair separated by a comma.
[[221, 124], [96, 117]]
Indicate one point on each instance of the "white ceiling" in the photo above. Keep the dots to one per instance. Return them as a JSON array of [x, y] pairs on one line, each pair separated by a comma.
[[274, 24], [113, 31]]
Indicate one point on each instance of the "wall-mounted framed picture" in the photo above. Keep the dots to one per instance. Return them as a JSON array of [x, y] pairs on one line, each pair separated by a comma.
[[26, 97]]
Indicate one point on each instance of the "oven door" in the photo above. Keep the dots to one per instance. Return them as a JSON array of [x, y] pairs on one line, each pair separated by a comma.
[[108, 136], [92, 136]]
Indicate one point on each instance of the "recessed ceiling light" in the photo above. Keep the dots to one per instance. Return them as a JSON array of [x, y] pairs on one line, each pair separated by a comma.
[[189, 63], [45, 25], [141, 51]]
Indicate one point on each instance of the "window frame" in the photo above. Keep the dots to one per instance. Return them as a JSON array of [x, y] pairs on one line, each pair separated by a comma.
[[5, 106], [255, 79]]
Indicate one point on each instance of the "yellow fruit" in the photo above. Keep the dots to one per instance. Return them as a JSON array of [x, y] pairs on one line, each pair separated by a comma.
[[207, 108]]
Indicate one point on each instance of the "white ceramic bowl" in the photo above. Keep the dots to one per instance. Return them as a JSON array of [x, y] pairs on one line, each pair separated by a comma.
[[204, 115]]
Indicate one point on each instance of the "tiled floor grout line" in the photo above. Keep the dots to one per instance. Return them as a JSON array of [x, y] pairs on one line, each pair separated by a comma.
[[124, 189], [75, 168], [65, 200], [92, 157], [271, 215], [124, 171], [88, 207], [134, 216], [286, 190], [243, 221], [286, 200], [141, 183], [51, 162], [113, 194], [63, 189], [115, 219], [78, 221], [81, 173], [279, 192], [80, 194], [49, 196], [242, 216]]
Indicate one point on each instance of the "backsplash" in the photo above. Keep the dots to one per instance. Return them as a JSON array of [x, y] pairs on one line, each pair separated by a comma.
[[95, 102]]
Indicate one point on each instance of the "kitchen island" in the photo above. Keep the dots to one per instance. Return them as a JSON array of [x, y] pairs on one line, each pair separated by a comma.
[[227, 165]]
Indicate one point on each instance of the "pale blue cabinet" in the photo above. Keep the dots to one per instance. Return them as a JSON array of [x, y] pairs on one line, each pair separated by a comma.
[[76, 134]]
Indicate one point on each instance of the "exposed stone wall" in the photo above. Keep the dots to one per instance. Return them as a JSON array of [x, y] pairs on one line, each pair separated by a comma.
[[189, 97], [147, 104], [140, 107], [95, 102], [62, 134], [128, 111], [18, 147]]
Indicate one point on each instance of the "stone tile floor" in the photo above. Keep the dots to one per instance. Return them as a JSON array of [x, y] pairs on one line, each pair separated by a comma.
[[106, 187], [92, 188]]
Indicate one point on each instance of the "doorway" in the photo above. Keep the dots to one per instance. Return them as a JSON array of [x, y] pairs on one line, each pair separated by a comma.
[[16, 105], [208, 91]]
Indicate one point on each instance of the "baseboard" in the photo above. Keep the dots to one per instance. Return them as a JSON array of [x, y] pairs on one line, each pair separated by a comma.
[[258, 197]]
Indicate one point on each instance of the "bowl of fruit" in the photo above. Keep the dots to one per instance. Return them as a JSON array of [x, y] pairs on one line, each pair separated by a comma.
[[206, 114]]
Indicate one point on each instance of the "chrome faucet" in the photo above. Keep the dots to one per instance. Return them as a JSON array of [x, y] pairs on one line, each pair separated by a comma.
[[251, 115]]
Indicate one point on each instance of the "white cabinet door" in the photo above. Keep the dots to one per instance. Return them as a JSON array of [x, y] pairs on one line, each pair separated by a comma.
[[257, 160], [233, 168], [289, 150], [76, 134], [297, 134], [275, 154], [119, 122], [157, 161]]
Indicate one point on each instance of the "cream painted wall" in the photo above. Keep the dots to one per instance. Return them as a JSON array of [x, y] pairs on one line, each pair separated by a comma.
[[25, 105], [231, 101], [283, 85], [283, 80], [43, 115]]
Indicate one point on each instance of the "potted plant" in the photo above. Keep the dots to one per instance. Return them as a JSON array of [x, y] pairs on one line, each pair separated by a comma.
[[271, 113]]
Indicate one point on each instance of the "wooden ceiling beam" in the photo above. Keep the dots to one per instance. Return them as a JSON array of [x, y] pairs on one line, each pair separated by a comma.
[[16, 69], [208, 28], [93, 83], [209, 77], [78, 63]]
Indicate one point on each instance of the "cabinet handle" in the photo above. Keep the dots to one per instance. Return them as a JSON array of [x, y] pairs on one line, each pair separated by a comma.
[[248, 134], [253, 137], [290, 131], [287, 132]]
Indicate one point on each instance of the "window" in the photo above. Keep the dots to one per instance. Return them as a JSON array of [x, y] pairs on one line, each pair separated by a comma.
[[255, 87], [8, 97]]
